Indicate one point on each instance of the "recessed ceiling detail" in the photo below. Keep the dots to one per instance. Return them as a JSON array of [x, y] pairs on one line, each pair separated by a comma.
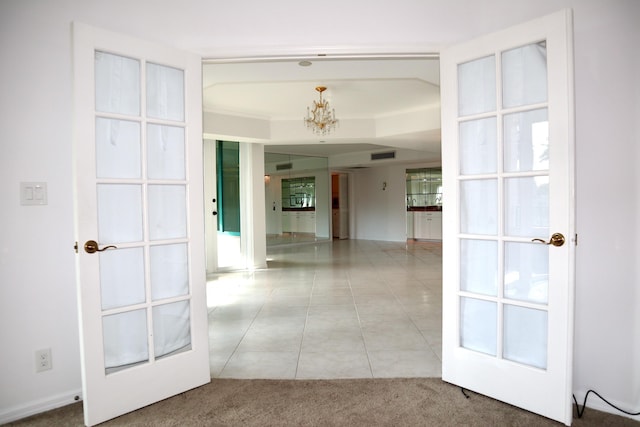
[[386, 103]]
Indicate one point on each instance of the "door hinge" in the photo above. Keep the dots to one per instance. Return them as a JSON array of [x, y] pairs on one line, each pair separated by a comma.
[[575, 239]]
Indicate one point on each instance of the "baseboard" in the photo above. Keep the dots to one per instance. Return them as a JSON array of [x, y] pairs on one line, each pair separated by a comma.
[[38, 406], [594, 402]]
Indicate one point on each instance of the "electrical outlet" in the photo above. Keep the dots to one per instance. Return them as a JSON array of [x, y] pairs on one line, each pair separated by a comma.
[[43, 360]]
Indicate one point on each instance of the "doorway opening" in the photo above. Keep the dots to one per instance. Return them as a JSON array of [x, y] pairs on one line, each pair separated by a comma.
[[340, 205], [383, 104]]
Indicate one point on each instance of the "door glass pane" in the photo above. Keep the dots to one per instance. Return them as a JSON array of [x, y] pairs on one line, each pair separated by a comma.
[[478, 206], [478, 152], [165, 92], [125, 339], [477, 86], [526, 272], [526, 141], [524, 75], [171, 328], [165, 152], [478, 320], [169, 276], [121, 277], [527, 206], [479, 266], [167, 212], [117, 84], [525, 335], [119, 213], [117, 148]]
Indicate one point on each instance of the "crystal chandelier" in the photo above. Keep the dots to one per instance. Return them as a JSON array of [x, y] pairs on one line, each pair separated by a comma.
[[320, 119]]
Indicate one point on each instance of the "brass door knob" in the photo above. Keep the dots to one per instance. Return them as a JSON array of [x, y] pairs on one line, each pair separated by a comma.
[[557, 239], [91, 246]]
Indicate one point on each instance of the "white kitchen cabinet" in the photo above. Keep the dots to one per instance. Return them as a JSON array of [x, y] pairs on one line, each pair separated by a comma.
[[306, 222], [427, 225], [298, 222], [410, 225], [286, 222]]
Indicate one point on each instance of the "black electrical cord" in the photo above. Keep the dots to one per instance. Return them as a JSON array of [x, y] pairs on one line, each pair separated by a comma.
[[584, 404]]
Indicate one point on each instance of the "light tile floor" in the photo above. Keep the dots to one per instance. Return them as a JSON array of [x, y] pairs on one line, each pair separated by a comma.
[[341, 309]]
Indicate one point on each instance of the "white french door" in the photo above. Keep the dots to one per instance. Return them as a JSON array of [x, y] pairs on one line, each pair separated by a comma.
[[139, 222], [509, 246]]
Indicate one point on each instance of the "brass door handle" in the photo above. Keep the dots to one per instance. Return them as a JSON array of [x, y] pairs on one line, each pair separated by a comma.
[[91, 246], [557, 239]]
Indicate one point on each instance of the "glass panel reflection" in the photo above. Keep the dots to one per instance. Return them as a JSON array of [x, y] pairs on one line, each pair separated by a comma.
[[167, 212], [477, 86], [478, 206], [165, 92], [526, 141], [165, 152], [282, 224], [117, 148], [125, 340], [479, 266], [423, 187], [524, 75], [171, 328], [117, 81], [478, 325], [526, 272], [478, 146], [525, 336], [169, 274], [527, 206], [121, 277], [119, 213]]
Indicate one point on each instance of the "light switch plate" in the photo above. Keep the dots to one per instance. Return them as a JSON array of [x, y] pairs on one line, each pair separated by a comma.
[[33, 193]]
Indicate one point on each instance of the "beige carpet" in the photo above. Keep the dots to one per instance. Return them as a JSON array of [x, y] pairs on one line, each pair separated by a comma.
[[377, 402]]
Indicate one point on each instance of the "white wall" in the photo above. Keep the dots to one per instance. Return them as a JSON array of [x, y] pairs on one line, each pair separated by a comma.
[[37, 270], [379, 214], [273, 204], [273, 193], [252, 213], [608, 135], [37, 291]]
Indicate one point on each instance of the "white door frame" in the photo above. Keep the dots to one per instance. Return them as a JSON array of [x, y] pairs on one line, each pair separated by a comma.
[[371, 55]]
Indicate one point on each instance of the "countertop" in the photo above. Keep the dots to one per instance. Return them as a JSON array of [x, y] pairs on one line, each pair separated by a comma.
[[424, 208], [311, 209]]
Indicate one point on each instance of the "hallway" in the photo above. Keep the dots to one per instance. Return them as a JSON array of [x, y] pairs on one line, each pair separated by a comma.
[[341, 309]]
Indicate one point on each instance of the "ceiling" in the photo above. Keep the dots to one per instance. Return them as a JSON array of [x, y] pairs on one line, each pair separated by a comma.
[[363, 91]]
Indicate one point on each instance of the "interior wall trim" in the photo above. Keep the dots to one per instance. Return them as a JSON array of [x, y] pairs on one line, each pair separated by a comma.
[[320, 57], [40, 405]]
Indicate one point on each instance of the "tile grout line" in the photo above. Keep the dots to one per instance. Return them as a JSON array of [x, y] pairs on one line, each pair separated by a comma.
[[304, 326], [235, 349], [364, 342]]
